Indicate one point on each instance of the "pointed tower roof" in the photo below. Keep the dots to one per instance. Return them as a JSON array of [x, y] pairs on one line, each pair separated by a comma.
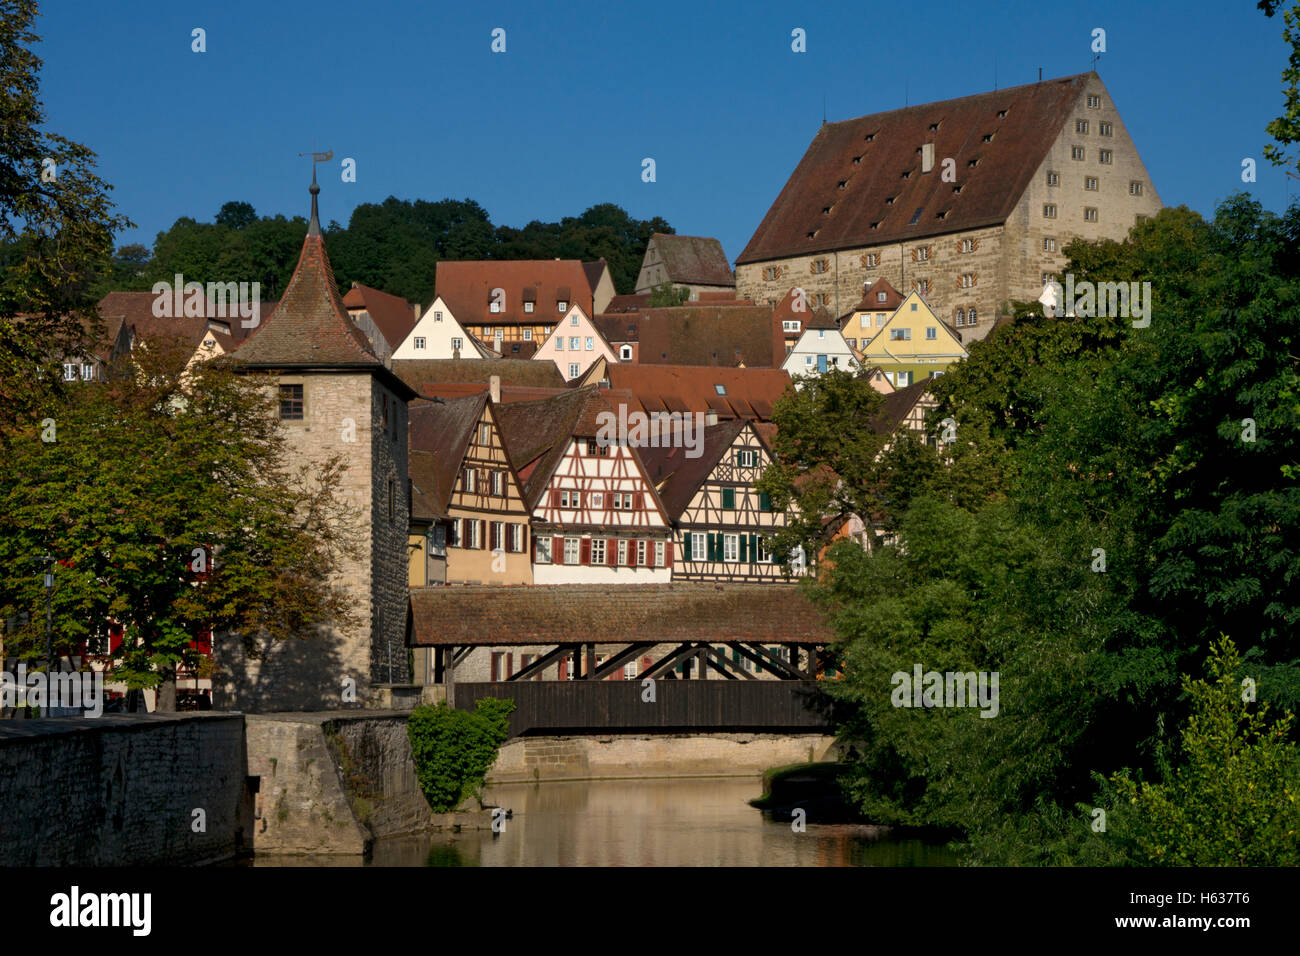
[[311, 327]]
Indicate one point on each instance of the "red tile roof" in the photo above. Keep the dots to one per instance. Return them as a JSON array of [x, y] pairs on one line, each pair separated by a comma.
[[567, 613], [392, 315], [617, 329], [467, 288], [694, 260], [750, 392], [852, 167]]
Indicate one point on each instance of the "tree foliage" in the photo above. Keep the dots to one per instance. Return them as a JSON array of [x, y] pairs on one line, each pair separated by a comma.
[[454, 749], [173, 507], [56, 231]]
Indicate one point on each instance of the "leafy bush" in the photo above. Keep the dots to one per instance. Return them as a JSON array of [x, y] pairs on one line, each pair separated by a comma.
[[453, 749]]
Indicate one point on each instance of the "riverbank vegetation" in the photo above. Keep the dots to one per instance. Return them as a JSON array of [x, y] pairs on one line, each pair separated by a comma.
[[1115, 500]]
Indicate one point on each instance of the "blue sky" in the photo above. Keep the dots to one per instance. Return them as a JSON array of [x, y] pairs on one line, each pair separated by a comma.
[[585, 91]]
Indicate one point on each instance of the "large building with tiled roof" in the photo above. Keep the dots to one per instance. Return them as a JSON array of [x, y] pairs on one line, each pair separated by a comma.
[[385, 320], [727, 336], [726, 392], [969, 201], [336, 399], [695, 263]]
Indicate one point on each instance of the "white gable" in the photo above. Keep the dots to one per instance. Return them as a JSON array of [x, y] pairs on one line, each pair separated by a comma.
[[574, 342], [437, 335]]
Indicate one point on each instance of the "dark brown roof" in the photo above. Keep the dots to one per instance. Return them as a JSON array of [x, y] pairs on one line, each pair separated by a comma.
[[749, 392], [711, 335], [896, 406], [418, 373], [594, 271], [694, 260], [617, 329], [565, 613], [439, 433], [392, 315], [467, 287], [428, 498], [681, 475], [136, 310], [518, 349], [1023, 121], [509, 393]]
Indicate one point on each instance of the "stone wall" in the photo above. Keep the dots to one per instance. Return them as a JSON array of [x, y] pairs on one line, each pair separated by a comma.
[[331, 784], [122, 790], [658, 755]]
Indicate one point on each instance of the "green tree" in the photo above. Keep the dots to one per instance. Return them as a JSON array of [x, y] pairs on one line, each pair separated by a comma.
[[56, 232], [1233, 800], [1285, 129], [174, 508], [236, 215], [666, 295]]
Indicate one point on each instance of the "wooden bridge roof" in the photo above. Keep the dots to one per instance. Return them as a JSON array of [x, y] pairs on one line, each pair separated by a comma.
[[572, 613]]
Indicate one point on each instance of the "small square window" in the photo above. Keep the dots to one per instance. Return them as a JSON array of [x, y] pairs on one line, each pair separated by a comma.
[[1053, 179], [528, 307], [1104, 157], [419, 342], [1094, 102], [437, 316], [1090, 182], [1049, 211], [931, 332], [1081, 126], [1049, 245], [590, 343], [574, 343], [1089, 214], [573, 370], [528, 335], [87, 372], [1135, 188], [563, 306], [457, 344], [1104, 129], [1076, 152]]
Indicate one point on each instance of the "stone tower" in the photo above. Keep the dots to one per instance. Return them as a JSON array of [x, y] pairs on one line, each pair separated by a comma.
[[335, 398]]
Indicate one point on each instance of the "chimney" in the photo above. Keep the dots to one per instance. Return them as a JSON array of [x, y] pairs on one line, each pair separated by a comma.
[[710, 417], [494, 388], [927, 157]]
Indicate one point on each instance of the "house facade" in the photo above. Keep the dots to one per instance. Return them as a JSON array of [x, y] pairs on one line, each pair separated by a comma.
[[595, 513], [819, 349], [437, 335], [513, 300], [914, 344], [695, 263], [574, 345]]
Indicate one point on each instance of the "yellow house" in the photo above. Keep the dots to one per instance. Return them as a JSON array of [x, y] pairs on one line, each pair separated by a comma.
[[914, 344]]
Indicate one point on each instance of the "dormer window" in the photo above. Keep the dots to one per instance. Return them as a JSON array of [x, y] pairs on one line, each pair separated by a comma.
[[562, 306], [528, 307], [720, 389], [495, 306], [880, 296]]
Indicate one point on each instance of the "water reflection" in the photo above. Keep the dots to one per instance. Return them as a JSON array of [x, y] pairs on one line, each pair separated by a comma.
[[677, 822]]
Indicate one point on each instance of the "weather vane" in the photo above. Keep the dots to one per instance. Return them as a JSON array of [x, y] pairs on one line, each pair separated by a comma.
[[324, 157]]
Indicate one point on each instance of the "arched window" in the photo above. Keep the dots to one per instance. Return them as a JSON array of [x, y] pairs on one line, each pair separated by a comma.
[[625, 353], [961, 317], [970, 316]]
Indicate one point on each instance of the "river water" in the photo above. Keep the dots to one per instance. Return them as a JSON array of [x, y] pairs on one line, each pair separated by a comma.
[[669, 822]]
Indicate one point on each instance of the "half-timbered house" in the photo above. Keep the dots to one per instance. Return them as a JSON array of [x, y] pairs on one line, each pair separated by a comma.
[[489, 540], [596, 516], [722, 522]]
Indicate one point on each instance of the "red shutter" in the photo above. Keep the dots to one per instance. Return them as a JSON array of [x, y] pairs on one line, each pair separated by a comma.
[[640, 501], [555, 499], [557, 550], [611, 553], [585, 552], [533, 552], [668, 554]]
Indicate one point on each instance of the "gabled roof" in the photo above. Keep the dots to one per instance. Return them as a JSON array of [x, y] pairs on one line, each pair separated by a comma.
[[854, 166], [537, 433], [594, 270], [136, 310], [870, 301], [635, 302], [693, 260], [439, 434], [746, 392], [392, 315], [418, 373], [725, 336], [896, 407], [467, 289], [679, 476]]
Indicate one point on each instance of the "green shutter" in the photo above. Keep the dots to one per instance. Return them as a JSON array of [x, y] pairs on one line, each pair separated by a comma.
[[729, 499], [753, 548], [686, 544], [744, 547], [764, 502], [714, 547]]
